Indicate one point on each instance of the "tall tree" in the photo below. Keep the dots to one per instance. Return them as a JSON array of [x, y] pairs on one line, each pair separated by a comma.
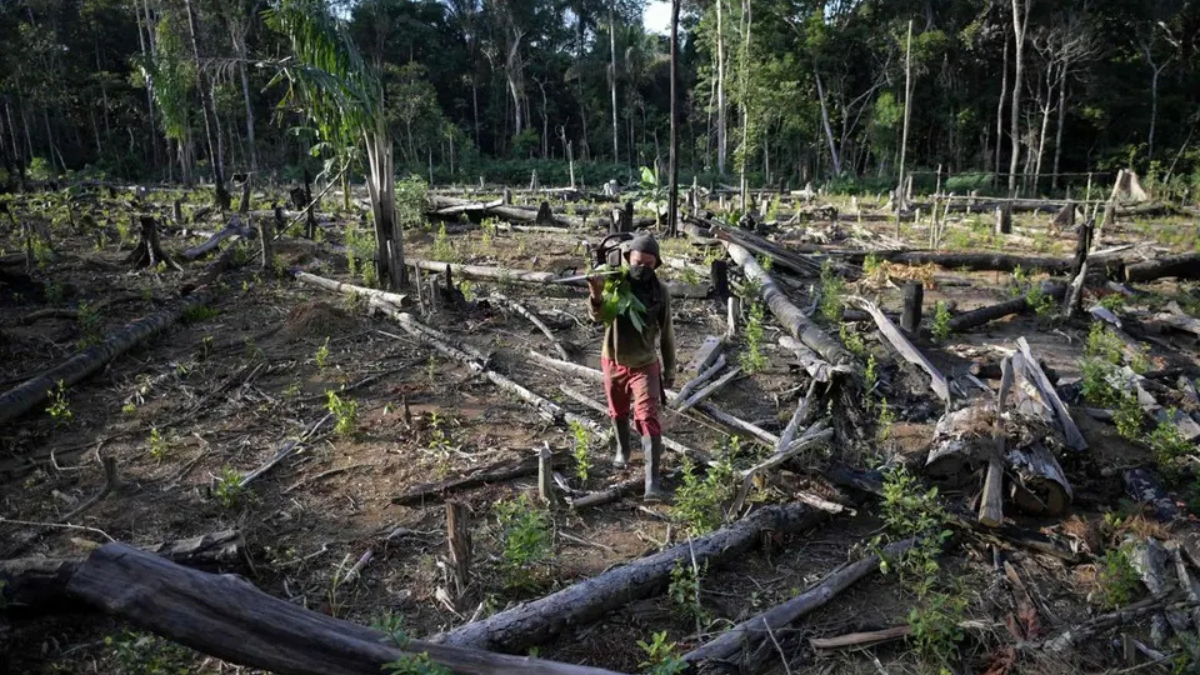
[[1020, 20]]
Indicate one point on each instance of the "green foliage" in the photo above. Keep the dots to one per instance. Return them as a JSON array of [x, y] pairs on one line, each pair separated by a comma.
[[360, 254], [60, 406], [1168, 444], [443, 248], [752, 359], [662, 657], [142, 654], [90, 325], [228, 489], [870, 375], [582, 450], [941, 322], [344, 411], [527, 541], [1117, 579], [392, 626], [618, 298], [54, 292], [833, 287], [684, 591], [935, 626], [871, 265], [700, 501], [157, 444], [322, 355], [416, 664], [1128, 417], [852, 340], [198, 313], [128, 409], [1104, 344], [887, 418], [1042, 303]]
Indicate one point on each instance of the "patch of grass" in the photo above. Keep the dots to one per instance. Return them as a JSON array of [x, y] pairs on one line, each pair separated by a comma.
[[582, 450], [1117, 578], [941, 322], [345, 412], [527, 541], [143, 654], [752, 359]]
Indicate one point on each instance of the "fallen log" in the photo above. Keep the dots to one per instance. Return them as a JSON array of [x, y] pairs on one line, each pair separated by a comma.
[[795, 321], [977, 262], [499, 472], [741, 638], [812, 363], [1034, 375], [1178, 322], [938, 382], [234, 229], [394, 299], [534, 319], [227, 617], [35, 586], [690, 386], [707, 391], [21, 399], [536, 622], [504, 275], [1018, 305], [1186, 266]]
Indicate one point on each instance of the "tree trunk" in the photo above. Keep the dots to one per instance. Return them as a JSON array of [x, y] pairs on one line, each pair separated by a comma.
[[536, 622], [21, 399], [1019, 24], [239, 45], [833, 153], [902, 196], [673, 190], [226, 616], [983, 315], [211, 125], [1186, 266], [612, 80], [1062, 117], [722, 120]]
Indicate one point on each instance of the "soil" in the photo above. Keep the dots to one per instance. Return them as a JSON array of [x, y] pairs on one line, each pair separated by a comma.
[[222, 391]]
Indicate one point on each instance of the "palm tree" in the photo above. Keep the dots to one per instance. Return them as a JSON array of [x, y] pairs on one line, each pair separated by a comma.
[[342, 96]]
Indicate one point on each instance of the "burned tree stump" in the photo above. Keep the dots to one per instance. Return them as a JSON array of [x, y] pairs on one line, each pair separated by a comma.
[[458, 541], [914, 297], [148, 252]]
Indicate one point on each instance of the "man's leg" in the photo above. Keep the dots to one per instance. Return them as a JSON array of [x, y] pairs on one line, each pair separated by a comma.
[[616, 390], [647, 391]]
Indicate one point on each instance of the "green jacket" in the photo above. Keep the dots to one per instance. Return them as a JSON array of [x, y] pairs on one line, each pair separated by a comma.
[[624, 345]]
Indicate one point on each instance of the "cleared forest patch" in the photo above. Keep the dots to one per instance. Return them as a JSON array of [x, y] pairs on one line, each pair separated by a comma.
[[335, 433]]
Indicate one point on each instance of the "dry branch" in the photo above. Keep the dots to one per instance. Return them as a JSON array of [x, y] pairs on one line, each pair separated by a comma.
[[499, 472], [686, 390], [708, 391], [350, 289], [534, 319], [742, 637], [21, 399], [539, 621], [905, 348]]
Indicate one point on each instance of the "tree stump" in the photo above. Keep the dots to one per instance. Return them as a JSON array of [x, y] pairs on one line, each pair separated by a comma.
[[458, 541], [148, 252], [914, 297]]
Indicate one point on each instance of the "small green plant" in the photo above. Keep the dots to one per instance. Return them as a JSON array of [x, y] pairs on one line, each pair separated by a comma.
[[128, 409], [124, 232], [662, 657], [752, 359], [870, 265], [439, 438], [157, 444], [416, 664], [684, 591], [54, 292], [392, 626], [1128, 417], [142, 654], [766, 262], [322, 355], [468, 290], [582, 451], [198, 313], [90, 325], [870, 376], [228, 488], [60, 406], [1117, 578], [833, 287], [1041, 302], [443, 249], [344, 411], [489, 232], [887, 418], [431, 368], [700, 502], [527, 541], [935, 626], [941, 322], [292, 390], [852, 340], [1104, 344], [1114, 302], [1167, 444]]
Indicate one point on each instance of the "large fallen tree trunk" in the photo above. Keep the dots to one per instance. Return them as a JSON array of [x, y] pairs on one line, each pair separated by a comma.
[[227, 617], [350, 289], [795, 321], [534, 623], [900, 343], [742, 638], [976, 262], [234, 229], [505, 275], [1185, 266], [21, 399]]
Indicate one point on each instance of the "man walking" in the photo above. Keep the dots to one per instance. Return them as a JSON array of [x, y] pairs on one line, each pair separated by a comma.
[[633, 375]]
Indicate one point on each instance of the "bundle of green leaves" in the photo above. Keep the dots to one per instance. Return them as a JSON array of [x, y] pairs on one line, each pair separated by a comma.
[[619, 298]]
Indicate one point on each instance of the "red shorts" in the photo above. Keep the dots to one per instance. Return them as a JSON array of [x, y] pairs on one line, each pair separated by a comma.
[[640, 388]]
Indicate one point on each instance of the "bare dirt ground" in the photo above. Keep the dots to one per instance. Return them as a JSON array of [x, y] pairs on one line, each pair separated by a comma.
[[221, 392]]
